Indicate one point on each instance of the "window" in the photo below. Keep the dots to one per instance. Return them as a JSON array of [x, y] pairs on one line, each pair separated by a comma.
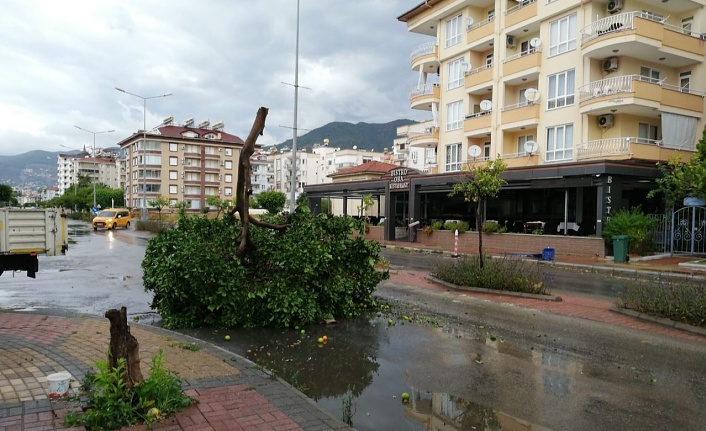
[[561, 89], [560, 142], [454, 115], [684, 81], [486, 151], [414, 157], [228, 164], [173, 175], [491, 14], [562, 35], [652, 75], [210, 150], [229, 178], [686, 24], [455, 74], [229, 191], [647, 133], [523, 97], [153, 160], [488, 60], [229, 151], [526, 48], [173, 161], [172, 189], [173, 146], [453, 30], [453, 157], [521, 141], [652, 16]]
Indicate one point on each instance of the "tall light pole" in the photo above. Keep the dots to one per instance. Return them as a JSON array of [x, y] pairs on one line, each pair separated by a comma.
[[143, 210], [94, 157], [292, 204]]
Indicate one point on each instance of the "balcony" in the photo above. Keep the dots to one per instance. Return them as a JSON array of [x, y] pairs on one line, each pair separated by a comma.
[[479, 33], [520, 114], [641, 36], [479, 79], [523, 65], [639, 95], [520, 160], [422, 97], [626, 148], [424, 54], [478, 124], [523, 11], [424, 138]]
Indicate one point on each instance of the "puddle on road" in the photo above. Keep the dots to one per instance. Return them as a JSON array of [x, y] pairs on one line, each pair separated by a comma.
[[369, 357]]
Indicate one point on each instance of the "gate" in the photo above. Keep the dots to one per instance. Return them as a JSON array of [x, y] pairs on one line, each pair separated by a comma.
[[688, 234]]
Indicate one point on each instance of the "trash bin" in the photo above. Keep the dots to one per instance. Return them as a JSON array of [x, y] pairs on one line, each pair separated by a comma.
[[620, 248], [548, 253]]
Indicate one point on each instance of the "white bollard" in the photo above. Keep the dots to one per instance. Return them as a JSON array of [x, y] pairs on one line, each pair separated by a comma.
[[455, 244]]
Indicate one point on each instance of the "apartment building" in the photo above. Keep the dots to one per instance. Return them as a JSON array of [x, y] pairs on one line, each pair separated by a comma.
[[580, 99], [184, 163], [99, 169]]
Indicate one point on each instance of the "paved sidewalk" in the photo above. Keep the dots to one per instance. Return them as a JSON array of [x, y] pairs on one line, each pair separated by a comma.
[[233, 393]]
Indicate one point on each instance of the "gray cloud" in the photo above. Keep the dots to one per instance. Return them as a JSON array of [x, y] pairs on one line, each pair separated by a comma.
[[221, 59]]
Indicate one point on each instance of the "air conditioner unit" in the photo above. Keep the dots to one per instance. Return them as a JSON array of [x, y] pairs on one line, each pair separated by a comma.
[[510, 41], [614, 6], [222, 163], [605, 120], [183, 147], [610, 64]]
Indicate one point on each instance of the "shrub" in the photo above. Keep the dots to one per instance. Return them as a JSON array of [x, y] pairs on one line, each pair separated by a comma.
[[500, 274], [313, 269], [462, 226], [490, 227], [273, 201], [112, 406], [676, 299], [636, 225]]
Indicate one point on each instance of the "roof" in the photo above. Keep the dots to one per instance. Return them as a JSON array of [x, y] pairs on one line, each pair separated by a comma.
[[177, 131], [371, 167], [421, 7]]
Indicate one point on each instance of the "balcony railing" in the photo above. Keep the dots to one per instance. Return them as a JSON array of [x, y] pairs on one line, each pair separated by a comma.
[[520, 5], [423, 49], [618, 22], [479, 69], [480, 23], [422, 90], [625, 84]]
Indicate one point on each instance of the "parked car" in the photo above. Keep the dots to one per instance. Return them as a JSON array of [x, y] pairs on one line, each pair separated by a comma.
[[112, 218]]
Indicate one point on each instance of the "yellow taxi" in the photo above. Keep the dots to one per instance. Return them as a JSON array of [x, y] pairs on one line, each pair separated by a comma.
[[112, 218]]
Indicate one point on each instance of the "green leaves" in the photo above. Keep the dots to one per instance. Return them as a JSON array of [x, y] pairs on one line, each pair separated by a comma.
[[313, 269]]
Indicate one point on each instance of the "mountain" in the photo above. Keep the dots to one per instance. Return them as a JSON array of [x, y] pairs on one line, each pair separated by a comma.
[[366, 136], [33, 169]]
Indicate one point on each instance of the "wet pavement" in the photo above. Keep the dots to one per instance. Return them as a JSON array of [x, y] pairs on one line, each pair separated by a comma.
[[468, 360]]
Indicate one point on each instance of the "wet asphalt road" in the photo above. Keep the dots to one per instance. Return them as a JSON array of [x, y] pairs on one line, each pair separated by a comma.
[[494, 359]]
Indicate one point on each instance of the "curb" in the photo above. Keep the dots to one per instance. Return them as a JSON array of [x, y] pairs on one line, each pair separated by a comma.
[[551, 298], [660, 321]]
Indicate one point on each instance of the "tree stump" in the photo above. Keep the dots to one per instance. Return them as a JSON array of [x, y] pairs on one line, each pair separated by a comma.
[[123, 346]]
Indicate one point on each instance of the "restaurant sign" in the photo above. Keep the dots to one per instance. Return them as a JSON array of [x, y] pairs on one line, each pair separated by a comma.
[[399, 178]]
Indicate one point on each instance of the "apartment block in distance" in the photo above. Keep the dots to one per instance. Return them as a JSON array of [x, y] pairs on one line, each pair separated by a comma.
[[184, 163], [101, 168]]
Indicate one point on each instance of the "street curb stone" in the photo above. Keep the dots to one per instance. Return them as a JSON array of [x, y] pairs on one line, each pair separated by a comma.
[[553, 298]]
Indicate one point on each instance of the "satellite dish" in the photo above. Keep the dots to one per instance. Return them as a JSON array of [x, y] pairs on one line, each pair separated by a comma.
[[531, 147], [486, 105], [465, 66], [535, 42], [474, 151], [469, 21], [355, 147], [532, 94]]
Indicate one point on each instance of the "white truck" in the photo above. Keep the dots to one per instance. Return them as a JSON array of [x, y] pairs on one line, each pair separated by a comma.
[[25, 233]]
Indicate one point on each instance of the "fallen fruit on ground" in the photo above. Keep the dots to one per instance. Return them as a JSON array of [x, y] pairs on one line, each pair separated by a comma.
[[405, 396], [154, 411], [227, 337], [320, 340], [325, 338]]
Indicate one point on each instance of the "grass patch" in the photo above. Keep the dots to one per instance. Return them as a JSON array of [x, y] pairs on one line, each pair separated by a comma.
[[675, 299], [512, 275]]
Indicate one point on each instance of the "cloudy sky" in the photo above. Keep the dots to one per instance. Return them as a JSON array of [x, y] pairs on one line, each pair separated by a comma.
[[60, 62]]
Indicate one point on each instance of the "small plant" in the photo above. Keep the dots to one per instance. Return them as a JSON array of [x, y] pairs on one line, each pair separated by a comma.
[[294, 381], [676, 299], [538, 232], [348, 407], [461, 226], [111, 405], [636, 225], [491, 227]]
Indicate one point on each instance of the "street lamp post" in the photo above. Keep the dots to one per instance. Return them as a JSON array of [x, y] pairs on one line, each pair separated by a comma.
[[94, 157], [143, 210]]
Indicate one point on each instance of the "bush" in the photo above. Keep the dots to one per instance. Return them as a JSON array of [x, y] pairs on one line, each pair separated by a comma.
[[676, 299], [462, 226], [500, 274], [490, 227], [272, 201], [312, 270], [636, 225]]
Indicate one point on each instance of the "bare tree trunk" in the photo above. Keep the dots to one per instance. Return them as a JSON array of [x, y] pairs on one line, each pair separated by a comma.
[[243, 189], [123, 346], [479, 228]]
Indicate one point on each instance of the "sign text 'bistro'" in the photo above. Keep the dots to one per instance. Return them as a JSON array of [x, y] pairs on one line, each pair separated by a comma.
[[399, 179]]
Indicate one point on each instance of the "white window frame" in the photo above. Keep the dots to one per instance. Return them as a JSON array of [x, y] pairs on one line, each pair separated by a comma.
[[173, 161], [687, 24], [559, 143], [685, 81], [561, 89], [653, 75], [228, 164], [489, 60], [647, 133], [562, 35], [454, 157], [173, 146], [454, 115], [229, 178], [173, 189], [454, 30], [455, 74], [521, 141], [486, 151], [173, 175], [229, 151]]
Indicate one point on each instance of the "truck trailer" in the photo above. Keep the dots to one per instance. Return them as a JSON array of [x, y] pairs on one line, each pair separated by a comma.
[[26, 233]]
